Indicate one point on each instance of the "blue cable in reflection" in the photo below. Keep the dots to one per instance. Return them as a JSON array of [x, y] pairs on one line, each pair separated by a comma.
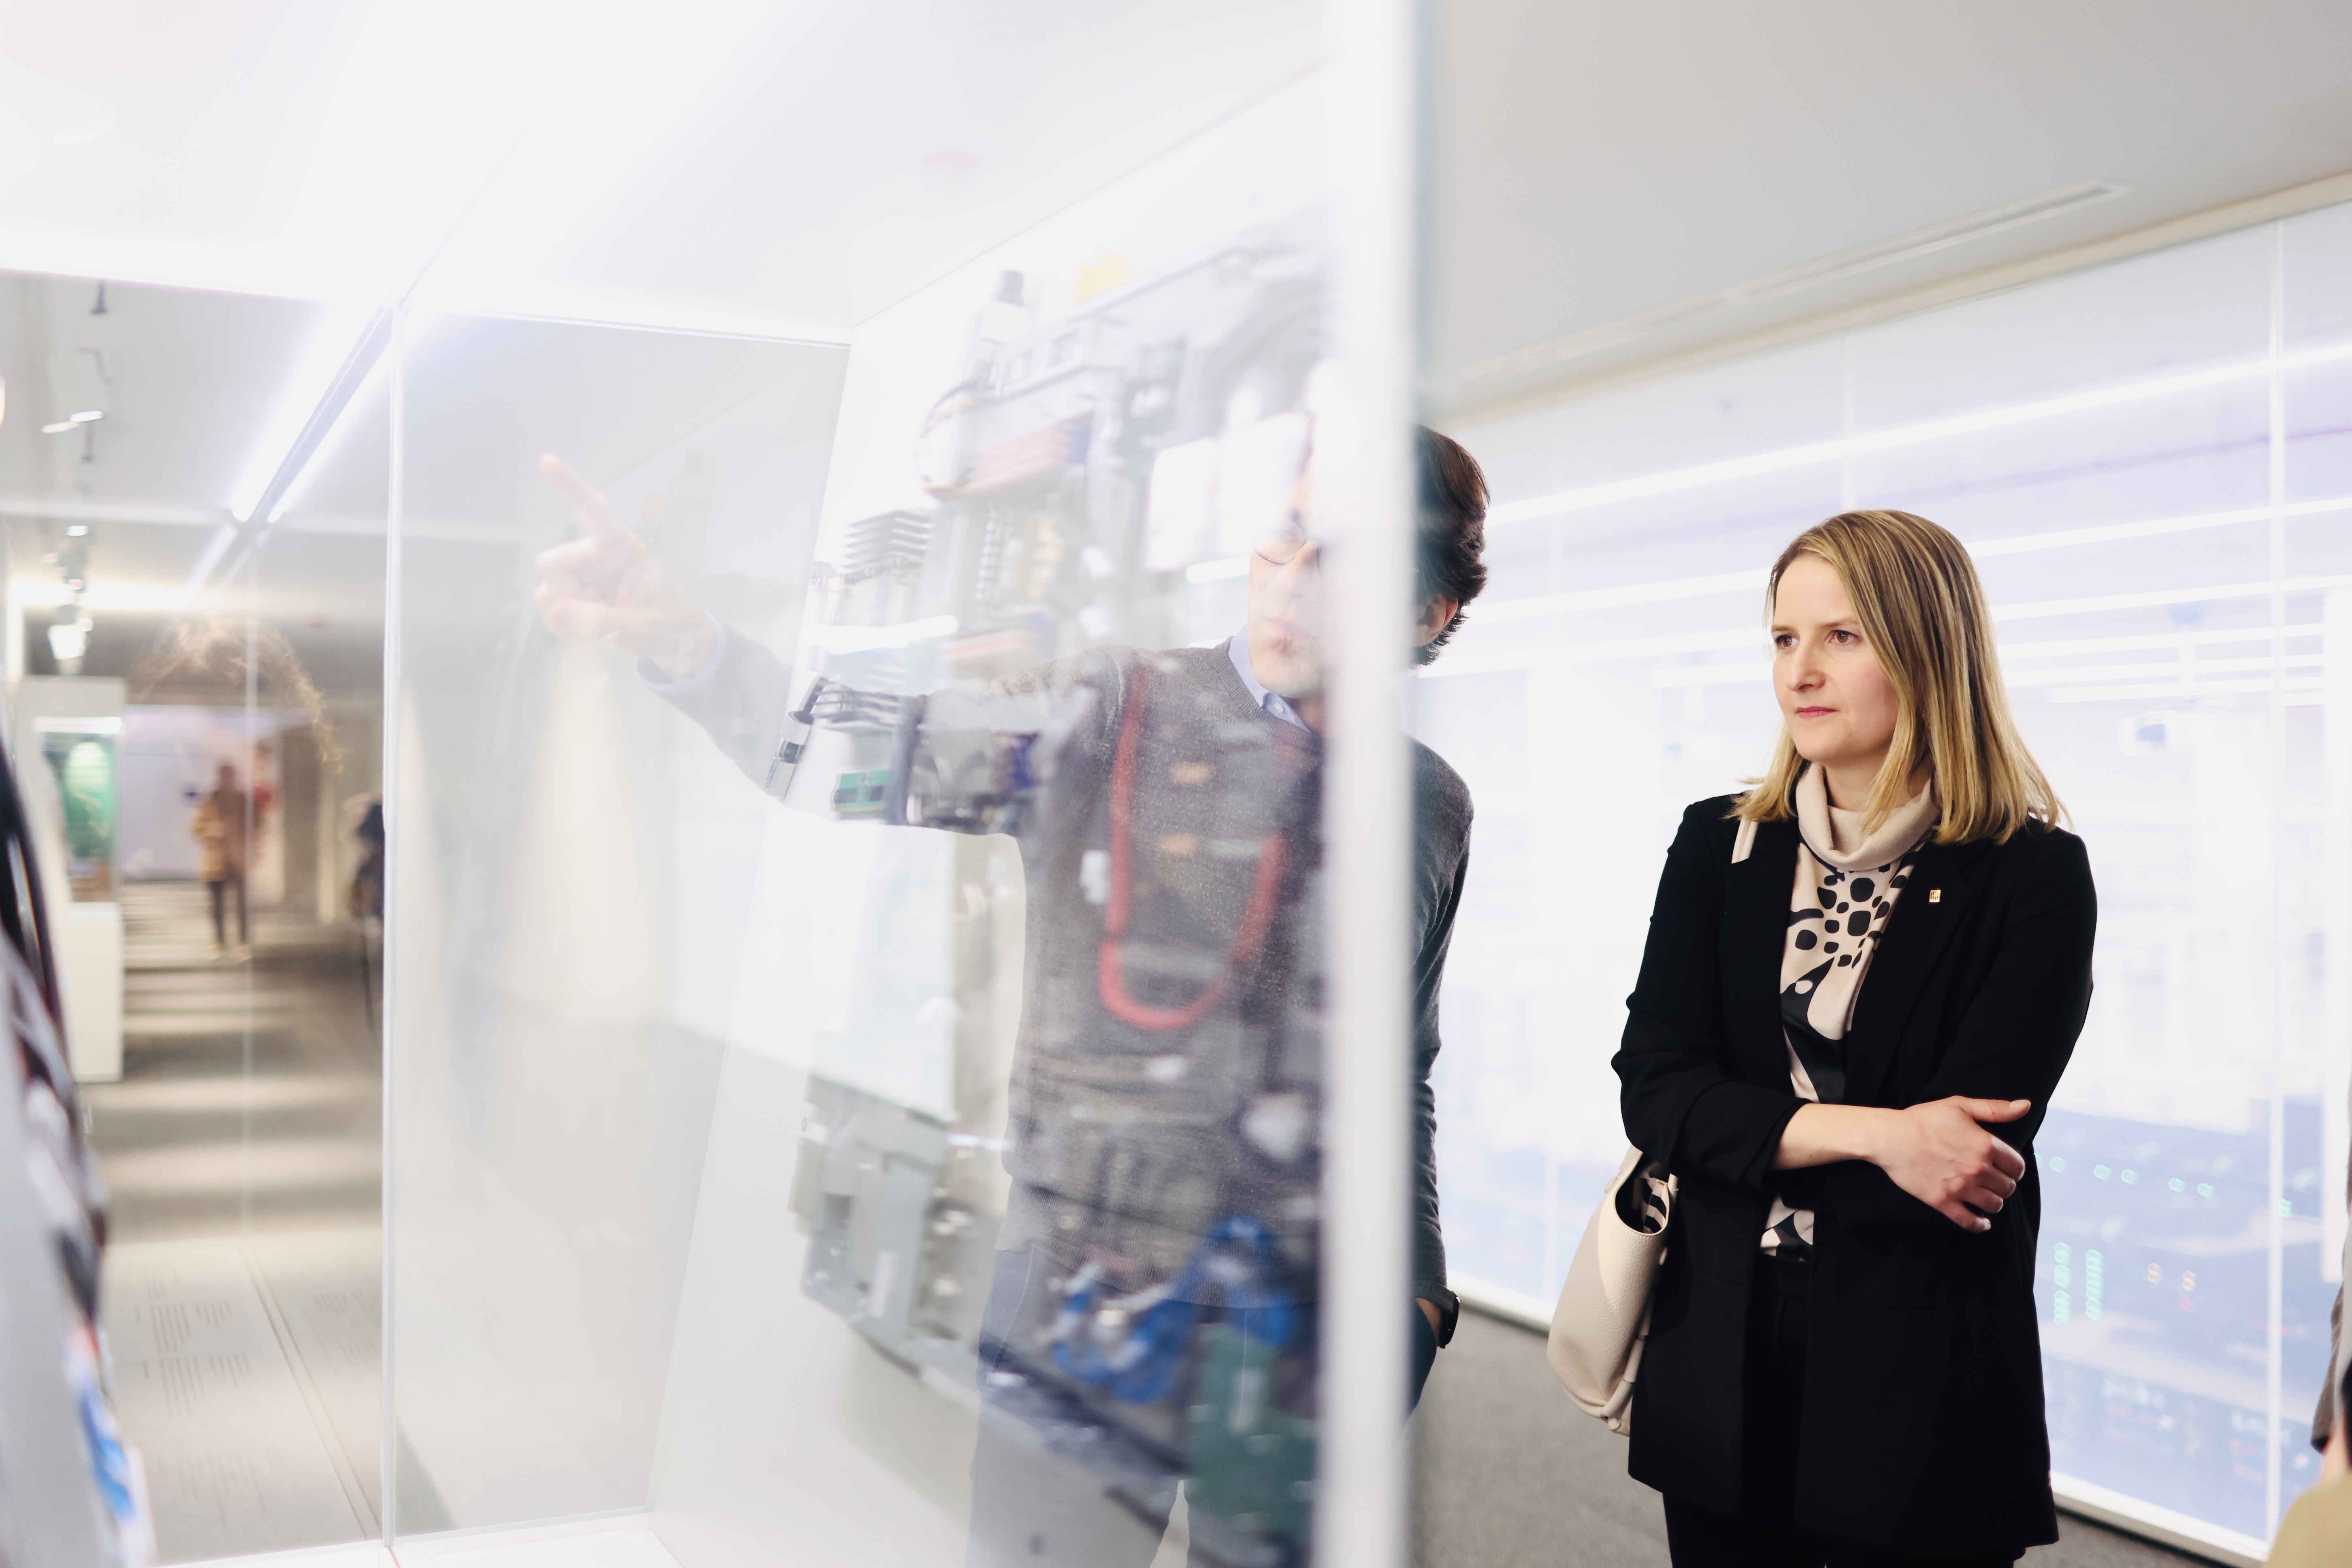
[[1139, 1365]]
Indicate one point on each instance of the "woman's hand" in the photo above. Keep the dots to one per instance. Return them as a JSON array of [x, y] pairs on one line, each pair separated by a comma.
[[1942, 1156], [1938, 1152]]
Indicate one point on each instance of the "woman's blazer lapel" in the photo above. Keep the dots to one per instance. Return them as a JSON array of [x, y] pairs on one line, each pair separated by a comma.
[[1935, 902], [1755, 928]]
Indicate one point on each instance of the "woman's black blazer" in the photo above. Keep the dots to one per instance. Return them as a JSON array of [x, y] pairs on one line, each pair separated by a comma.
[[1923, 1419]]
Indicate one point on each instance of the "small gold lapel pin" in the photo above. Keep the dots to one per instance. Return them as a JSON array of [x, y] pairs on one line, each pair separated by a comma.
[[1935, 895]]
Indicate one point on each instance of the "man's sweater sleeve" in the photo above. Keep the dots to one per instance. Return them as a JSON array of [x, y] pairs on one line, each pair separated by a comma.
[[1429, 973], [741, 699]]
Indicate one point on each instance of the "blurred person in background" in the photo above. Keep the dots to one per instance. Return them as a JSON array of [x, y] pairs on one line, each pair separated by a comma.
[[1194, 1102], [230, 661], [364, 820], [220, 829], [1862, 980]]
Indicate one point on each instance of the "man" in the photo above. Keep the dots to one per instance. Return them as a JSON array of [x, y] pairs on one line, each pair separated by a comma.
[[1157, 1259], [220, 827]]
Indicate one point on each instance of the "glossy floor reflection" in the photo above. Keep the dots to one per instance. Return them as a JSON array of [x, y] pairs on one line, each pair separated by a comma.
[[206, 1135], [243, 1290], [1511, 1475]]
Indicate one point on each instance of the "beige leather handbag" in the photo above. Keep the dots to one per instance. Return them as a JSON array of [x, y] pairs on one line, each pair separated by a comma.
[[1603, 1316]]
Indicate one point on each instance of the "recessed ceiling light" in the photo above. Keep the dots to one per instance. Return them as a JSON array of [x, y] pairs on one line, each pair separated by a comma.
[[74, 422], [1830, 269]]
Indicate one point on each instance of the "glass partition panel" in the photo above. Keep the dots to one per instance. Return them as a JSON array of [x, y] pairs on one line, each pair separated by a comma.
[[858, 955], [2148, 462], [566, 867]]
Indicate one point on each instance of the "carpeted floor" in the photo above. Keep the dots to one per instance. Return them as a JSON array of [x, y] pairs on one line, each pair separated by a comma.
[[1512, 1475], [243, 1150]]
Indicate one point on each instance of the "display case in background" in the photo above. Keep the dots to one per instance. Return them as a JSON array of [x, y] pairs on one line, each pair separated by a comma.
[[2148, 461], [71, 725]]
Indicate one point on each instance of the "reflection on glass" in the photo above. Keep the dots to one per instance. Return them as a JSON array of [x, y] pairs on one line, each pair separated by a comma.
[[1102, 1224], [2168, 566], [968, 1107], [1142, 1291]]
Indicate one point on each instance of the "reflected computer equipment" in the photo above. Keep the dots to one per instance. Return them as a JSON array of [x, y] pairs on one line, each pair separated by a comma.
[[1162, 1147]]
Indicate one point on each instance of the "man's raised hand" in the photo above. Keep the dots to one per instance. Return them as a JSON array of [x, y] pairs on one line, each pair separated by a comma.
[[606, 585]]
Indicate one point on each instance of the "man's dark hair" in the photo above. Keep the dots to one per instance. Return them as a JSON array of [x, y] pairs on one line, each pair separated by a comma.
[[1452, 511]]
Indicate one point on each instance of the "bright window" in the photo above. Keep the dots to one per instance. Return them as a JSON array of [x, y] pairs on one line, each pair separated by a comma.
[[2152, 462]]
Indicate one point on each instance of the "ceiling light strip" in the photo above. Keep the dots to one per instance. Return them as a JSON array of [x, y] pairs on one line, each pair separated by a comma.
[[2168, 671], [1475, 660], [62, 510], [2012, 653], [1545, 604], [2162, 596], [234, 541], [1564, 502], [358, 363], [2020, 543], [1538, 606], [1830, 269], [2309, 689]]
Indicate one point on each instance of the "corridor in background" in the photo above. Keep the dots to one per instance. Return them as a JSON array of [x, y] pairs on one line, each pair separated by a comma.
[[244, 1147], [235, 1101]]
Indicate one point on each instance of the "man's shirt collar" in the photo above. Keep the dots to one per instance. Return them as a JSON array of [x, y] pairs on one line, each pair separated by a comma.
[[1237, 649]]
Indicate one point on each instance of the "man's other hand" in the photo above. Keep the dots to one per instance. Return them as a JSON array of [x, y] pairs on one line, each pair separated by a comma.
[[606, 584]]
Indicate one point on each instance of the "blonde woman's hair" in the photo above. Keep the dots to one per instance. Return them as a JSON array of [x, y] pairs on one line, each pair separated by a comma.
[[1915, 592]]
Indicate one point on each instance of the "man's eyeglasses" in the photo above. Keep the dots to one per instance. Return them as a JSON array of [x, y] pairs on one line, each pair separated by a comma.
[[1283, 542]]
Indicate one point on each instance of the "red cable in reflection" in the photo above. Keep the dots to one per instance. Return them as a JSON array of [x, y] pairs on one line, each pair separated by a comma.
[[1265, 885]]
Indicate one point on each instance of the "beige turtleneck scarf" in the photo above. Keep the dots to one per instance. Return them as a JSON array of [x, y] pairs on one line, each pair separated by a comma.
[[1846, 885]]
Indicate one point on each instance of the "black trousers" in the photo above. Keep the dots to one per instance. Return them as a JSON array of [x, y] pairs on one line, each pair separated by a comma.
[[1766, 1536], [219, 889]]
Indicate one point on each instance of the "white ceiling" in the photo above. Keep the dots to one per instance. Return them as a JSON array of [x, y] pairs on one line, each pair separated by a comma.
[[1592, 161], [788, 167], [762, 165], [185, 378], [783, 165]]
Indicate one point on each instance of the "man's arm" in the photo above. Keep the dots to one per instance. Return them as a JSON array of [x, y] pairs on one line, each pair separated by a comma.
[[742, 697], [960, 760], [1438, 1302]]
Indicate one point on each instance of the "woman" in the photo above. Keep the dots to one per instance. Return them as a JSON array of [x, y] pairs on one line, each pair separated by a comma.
[[1854, 970]]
